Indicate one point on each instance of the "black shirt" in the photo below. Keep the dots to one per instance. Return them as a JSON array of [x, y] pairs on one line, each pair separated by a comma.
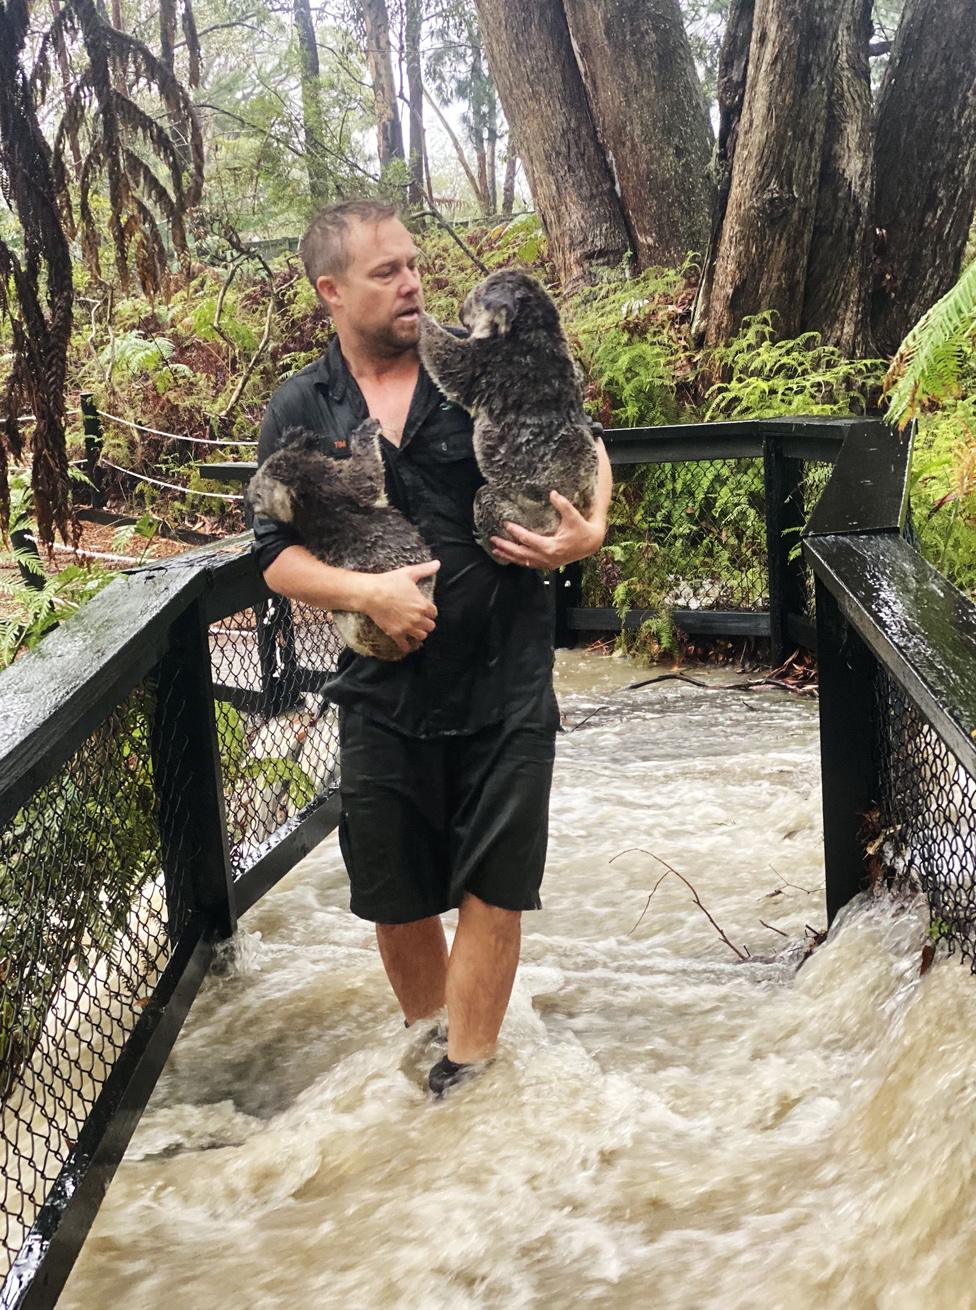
[[490, 655]]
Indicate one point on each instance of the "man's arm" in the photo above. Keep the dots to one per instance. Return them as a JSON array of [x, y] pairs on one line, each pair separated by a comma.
[[392, 600], [575, 538]]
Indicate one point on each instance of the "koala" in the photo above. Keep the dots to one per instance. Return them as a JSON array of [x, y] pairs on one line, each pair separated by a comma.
[[339, 509], [513, 372]]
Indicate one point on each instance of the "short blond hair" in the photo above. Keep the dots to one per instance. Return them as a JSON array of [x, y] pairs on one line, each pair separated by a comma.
[[323, 247]]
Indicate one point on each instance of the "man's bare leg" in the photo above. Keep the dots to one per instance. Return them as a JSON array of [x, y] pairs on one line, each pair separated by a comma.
[[415, 958], [480, 975]]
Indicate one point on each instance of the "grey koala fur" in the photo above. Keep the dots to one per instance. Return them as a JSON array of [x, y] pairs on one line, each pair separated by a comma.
[[515, 375], [339, 508]]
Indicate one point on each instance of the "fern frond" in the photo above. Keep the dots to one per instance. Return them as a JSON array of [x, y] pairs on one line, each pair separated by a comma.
[[929, 362]]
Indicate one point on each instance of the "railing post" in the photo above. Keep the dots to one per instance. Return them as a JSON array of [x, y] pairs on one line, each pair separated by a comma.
[[566, 586], [92, 429], [783, 482], [186, 766], [848, 754]]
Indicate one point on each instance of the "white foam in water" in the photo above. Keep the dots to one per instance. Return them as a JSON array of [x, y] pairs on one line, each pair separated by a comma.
[[665, 1125]]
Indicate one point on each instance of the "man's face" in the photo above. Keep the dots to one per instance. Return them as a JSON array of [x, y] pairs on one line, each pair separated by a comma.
[[378, 297]]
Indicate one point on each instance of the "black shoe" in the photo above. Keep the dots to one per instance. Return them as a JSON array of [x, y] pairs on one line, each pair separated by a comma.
[[447, 1073]]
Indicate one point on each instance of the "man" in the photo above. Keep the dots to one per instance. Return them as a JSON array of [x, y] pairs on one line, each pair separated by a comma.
[[446, 755]]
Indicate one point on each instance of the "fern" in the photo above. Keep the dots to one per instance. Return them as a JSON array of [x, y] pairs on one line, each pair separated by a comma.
[[931, 362], [765, 377]]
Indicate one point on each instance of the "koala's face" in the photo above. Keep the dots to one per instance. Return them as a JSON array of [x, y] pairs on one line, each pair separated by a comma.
[[505, 302], [290, 483]]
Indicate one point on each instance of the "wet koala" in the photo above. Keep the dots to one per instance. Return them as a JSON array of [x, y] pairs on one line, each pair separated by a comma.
[[339, 509], [513, 372]]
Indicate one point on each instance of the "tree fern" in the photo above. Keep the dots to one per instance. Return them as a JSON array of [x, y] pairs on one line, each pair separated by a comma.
[[931, 361]]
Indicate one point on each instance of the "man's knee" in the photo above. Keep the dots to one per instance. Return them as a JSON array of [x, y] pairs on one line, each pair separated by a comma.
[[493, 918], [412, 928]]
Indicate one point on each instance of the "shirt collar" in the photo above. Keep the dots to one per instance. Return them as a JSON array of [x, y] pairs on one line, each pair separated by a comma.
[[332, 372]]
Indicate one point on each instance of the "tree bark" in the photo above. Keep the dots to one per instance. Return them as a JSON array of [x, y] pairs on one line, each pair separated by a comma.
[[733, 68], [925, 163], [318, 181], [836, 295], [541, 91], [389, 134], [768, 226], [415, 92], [651, 119], [508, 184]]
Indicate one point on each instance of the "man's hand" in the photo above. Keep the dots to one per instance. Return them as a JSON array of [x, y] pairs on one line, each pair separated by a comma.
[[575, 538], [397, 605]]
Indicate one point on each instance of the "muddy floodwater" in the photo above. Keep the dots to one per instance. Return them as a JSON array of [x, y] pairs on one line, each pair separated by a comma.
[[665, 1125]]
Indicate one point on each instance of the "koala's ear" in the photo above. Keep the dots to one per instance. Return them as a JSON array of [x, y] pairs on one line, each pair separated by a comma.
[[299, 439], [496, 312]]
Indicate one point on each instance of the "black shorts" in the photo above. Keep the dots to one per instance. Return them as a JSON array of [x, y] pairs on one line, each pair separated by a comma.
[[425, 820]]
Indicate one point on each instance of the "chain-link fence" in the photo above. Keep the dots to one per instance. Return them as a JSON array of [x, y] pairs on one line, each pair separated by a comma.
[[687, 535], [118, 863], [923, 834], [277, 733], [89, 913]]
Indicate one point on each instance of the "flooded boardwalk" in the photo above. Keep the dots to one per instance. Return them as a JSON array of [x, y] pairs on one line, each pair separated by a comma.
[[665, 1125]]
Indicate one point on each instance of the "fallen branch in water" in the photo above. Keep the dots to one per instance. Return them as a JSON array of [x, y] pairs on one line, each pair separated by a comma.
[[742, 955], [754, 684]]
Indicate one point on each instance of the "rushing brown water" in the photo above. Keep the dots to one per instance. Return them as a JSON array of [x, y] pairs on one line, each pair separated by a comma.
[[665, 1126]]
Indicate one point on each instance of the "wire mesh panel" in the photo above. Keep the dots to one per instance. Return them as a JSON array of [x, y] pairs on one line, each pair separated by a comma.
[[277, 734], [816, 474], [926, 828], [690, 535], [87, 915]]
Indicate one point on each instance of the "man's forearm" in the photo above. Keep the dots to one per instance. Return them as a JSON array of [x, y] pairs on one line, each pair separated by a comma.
[[297, 574]]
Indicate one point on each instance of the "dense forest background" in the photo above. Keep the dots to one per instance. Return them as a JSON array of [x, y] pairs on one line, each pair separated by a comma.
[[746, 208]]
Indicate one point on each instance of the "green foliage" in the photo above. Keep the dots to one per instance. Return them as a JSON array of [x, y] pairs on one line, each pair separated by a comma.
[[764, 377], [67, 892], [246, 775], [40, 607], [943, 491], [624, 335], [937, 360]]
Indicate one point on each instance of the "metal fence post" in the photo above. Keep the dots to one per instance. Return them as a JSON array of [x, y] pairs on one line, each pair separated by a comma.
[[186, 766], [92, 428], [848, 758], [567, 591], [783, 481]]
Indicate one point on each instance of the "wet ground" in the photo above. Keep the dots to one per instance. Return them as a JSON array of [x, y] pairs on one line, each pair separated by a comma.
[[667, 1124]]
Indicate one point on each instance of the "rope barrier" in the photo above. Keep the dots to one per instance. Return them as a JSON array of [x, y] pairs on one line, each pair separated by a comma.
[[176, 436], [170, 486], [32, 418]]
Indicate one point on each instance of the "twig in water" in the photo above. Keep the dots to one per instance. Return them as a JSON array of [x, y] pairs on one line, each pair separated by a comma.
[[586, 717], [772, 929], [786, 883], [743, 955]]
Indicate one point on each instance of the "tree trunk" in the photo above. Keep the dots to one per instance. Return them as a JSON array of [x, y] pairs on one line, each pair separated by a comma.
[[765, 240], [492, 151], [836, 295], [415, 92], [318, 181], [541, 91], [508, 185], [733, 68], [389, 135], [925, 163], [650, 117]]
